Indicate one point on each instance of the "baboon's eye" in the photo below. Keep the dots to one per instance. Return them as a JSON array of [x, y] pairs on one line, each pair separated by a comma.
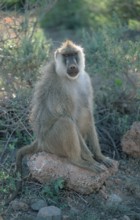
[[65, 55], [74, 54]]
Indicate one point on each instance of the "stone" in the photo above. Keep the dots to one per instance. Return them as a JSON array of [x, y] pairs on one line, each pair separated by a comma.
[[25, 217], [131, 140], [19, 205], [49, 213], [65, 217], [46, 167], [36, 206], [114, 199], [125, 217]]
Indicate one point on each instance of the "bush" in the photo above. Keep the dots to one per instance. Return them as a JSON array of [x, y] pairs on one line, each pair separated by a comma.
[[76, 14], [114, 65], [67, 14], [125, 10], [23, 50]]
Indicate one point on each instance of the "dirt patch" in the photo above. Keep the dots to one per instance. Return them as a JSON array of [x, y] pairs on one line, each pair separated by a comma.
[[118, 198]]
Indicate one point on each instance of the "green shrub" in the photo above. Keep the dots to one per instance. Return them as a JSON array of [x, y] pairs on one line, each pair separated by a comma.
[[52, 190], [23, 54], [24, 49], [125, 10], [66, 14], [76, 14], [114, 65]]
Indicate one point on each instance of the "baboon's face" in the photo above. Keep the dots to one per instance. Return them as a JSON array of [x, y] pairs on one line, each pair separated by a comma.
[[70, 60]]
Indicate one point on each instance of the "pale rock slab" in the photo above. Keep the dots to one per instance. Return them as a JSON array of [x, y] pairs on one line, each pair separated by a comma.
[[46, 167], [49, 213], [131, 140], [36, 206]]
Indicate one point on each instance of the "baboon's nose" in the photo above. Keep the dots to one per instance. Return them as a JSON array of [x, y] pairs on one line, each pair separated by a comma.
[[73, 67]]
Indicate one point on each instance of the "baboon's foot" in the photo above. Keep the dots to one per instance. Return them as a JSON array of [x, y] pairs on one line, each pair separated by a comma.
[[107, 162], [98, 168]]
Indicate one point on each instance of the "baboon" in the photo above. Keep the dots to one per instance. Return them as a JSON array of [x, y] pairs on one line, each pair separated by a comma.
[[62, 112]]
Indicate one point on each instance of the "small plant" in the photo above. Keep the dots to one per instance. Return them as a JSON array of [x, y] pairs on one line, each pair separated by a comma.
[[53, 189], [7, 182]]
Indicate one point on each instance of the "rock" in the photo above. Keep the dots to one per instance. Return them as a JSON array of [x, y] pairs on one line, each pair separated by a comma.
[[114, 199], [131, 140], [25, 217], [125, 217], [65, 217], [48, 167], [36, 206], [49, 213], [18, 205], [1, 217]]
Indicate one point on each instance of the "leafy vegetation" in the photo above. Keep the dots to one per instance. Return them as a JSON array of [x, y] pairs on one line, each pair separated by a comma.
[[112, 59], [23, 49], [114, 64], [52, 190], [76, 14]]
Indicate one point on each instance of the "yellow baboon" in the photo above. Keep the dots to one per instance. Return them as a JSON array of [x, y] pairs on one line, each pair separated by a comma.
[[62, 112]]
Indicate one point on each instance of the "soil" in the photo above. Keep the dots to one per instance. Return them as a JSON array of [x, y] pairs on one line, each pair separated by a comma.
[[119, 198]]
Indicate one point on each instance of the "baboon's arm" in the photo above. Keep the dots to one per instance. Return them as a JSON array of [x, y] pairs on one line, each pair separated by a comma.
[[95, 146]]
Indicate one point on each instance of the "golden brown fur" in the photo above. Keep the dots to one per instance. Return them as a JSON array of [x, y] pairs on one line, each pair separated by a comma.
[[62, 114]]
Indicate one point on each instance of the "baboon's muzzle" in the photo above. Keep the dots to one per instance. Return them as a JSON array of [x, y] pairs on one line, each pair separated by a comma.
[[73, 70]]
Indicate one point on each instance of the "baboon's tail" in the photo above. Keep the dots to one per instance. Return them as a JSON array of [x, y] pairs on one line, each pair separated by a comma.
[[28, 149], [32, 148]]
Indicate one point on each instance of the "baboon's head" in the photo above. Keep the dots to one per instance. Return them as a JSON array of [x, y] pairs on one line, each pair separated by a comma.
[[69, 60]]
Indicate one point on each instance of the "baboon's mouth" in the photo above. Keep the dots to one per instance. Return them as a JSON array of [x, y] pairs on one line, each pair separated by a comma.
[[73, 73]]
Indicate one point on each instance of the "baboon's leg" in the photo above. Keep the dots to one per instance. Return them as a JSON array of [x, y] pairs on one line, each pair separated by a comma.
[[95, 147], [63, 140]]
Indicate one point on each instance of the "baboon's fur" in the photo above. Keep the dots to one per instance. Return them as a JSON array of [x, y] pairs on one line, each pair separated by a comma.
[[62, 113]]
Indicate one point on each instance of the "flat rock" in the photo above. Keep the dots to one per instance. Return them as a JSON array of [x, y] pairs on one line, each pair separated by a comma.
[[46, 167], [114, 199], [131, 140], [37, 205], [19, 205], [49, 213]]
